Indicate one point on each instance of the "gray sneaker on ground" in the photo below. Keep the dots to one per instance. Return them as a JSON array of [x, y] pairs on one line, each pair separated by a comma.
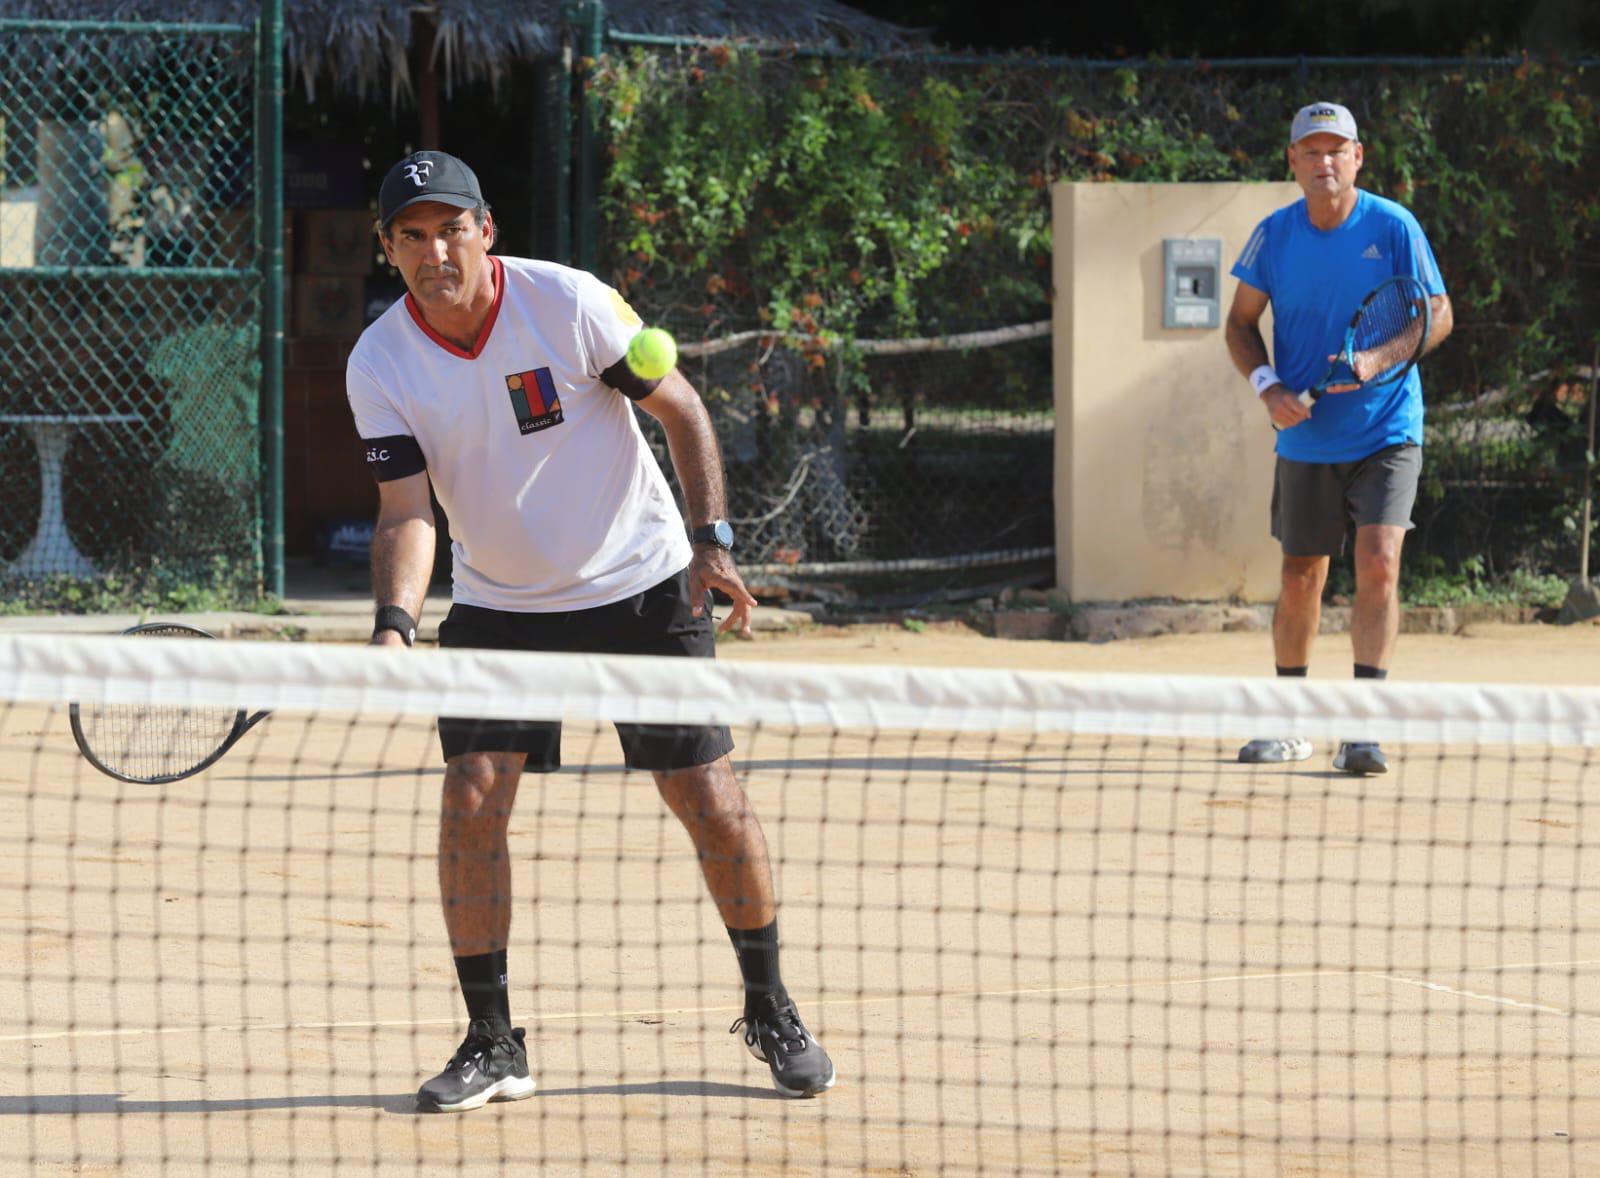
[[1275, 752], [775, 1035], [1360, 756]]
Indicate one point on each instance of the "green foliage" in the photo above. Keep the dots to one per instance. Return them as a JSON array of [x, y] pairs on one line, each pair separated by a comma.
[[155, 589], [839, 199], [1427, 582], [748, 189], [811, 198], [1502, 169]]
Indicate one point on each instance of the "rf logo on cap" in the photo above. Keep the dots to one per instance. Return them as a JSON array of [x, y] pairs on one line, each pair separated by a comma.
[[434, 176]]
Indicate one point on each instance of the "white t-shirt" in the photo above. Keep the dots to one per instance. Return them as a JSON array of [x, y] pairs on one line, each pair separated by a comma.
[[554, 499]]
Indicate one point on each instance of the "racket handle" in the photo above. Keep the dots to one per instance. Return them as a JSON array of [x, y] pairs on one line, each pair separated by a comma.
[[1306, 398]]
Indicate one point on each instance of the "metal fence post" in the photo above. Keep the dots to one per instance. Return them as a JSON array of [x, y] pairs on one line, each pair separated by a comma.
[[591, 15], [561, 136], [269, 228]]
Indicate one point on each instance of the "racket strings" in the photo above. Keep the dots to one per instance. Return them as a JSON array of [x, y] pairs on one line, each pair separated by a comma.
[[1389, 333], [154, 742], [149, 741]]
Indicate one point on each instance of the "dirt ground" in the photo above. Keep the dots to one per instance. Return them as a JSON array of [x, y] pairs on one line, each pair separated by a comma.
[[1489, 653], [1026, 955]]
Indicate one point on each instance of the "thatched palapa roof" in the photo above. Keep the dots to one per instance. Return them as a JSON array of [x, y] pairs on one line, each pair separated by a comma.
[[366, 47]]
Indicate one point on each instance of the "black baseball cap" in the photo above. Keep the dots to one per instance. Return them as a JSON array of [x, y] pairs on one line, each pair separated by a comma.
[[427, 175]]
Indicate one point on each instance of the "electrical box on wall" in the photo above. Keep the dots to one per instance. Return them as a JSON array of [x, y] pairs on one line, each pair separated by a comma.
[[1192, 287]]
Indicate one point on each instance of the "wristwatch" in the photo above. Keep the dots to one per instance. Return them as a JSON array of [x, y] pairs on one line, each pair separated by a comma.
[[718, 532]]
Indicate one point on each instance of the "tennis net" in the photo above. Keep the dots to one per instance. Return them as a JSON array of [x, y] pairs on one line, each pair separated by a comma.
[[1042, 923]]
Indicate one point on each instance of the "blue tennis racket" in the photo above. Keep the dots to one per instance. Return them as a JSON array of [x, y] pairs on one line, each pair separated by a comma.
[[1385, 339]]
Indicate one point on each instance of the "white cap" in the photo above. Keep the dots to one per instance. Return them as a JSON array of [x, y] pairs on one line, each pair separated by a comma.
[[1323, 116]]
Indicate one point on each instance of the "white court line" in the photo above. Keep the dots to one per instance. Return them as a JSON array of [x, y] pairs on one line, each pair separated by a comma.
[[1497, 999], [574, 1016], [926, 996]]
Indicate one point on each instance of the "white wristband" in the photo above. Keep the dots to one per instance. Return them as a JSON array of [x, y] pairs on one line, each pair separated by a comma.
[[1263, 378]]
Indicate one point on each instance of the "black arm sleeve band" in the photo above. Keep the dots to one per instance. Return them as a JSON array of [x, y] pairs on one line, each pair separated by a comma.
[[393, 458], [632, 386]]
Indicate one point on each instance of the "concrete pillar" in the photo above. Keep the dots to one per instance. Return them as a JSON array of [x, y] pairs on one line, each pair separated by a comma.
[[1163, 457]]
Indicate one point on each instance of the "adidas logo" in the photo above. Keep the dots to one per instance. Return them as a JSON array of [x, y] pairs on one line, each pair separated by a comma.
[[1371, 252]]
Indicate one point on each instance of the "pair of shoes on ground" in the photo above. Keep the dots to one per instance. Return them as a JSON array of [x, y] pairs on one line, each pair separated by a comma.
[[1361, 757], [492, 1065]]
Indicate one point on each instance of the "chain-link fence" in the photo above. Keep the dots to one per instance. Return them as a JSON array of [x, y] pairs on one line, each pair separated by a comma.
[[919, 461], [832, 202], [129, 308]]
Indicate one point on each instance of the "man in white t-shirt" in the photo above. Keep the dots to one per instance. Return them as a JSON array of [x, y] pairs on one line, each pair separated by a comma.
[[501, 383]]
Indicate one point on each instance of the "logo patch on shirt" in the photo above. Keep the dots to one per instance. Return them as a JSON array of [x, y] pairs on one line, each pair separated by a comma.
[[1371, 253], [626, 313], [534, 400]]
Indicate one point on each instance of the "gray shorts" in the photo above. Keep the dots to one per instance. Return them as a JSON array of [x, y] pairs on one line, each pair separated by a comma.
[[1314, 503]]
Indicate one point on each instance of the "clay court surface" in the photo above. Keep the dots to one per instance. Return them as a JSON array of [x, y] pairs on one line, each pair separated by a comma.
[[1026, 954]]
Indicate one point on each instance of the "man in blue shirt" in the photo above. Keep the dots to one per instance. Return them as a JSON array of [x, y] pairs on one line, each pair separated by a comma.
[[1351, 458]]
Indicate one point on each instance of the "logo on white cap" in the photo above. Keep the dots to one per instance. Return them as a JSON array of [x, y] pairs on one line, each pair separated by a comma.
[[1322, 116]]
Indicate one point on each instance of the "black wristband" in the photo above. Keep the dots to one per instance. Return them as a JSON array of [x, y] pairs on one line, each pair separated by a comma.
[[392, 617]]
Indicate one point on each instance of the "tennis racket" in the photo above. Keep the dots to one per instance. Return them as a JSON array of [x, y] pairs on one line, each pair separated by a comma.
[[152, 744], [1385, 338]]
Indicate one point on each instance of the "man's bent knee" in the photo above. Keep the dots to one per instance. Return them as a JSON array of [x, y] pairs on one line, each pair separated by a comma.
[[707, 791], [476, 789]]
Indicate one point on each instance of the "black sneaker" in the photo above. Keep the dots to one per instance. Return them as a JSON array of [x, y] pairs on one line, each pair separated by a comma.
[[780, 1040], [1361, 757], [487, 1066]]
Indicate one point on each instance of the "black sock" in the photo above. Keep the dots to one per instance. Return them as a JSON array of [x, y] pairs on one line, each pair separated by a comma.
[[483, 985], [1365, 672], [1292, 672], [758, 963]]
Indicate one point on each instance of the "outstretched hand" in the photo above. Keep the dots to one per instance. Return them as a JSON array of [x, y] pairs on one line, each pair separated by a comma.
[[712, 568]]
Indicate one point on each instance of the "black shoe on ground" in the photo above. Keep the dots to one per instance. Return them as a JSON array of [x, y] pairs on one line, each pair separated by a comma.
[[487, 1066], [1362, 757], [776, 1036]]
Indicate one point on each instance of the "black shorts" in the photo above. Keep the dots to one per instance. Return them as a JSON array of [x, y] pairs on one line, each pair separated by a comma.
[[1314, 503], [655, 622]]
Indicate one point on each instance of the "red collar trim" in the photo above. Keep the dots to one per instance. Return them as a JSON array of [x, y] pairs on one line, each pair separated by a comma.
[[498, 270]]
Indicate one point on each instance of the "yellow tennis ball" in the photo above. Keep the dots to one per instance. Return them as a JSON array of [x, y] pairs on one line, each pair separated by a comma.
[[652, 354]]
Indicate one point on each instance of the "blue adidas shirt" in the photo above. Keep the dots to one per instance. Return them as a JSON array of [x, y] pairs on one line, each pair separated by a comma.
[[1315, 279]]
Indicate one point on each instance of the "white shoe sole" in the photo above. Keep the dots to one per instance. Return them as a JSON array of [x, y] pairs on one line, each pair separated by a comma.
[[511, 1088], [792, 1093], [797, 1094], [1275, 752]]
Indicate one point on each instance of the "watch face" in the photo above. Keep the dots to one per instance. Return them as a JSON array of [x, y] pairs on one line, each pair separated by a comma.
[[718, 532]]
